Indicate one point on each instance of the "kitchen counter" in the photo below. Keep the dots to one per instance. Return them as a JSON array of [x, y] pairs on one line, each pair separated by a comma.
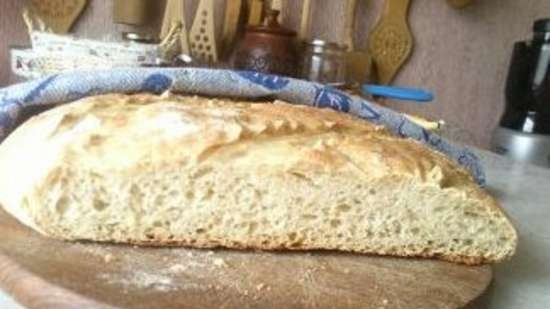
[[524, 191]]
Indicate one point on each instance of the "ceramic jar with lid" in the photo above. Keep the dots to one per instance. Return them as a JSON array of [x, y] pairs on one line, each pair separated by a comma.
[[269, 48]]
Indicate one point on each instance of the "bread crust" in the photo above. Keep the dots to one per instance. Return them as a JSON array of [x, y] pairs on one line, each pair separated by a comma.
[[113, 133], [282, 247]]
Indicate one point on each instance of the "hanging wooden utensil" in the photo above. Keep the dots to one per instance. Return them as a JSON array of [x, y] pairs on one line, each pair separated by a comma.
[[57, 15], [304, 23], [202, 37], [174, 17], [230, 25], [390, 42], [255, 12], [358, 63]]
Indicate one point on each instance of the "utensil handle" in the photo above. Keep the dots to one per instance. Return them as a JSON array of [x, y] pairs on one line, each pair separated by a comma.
[[349, 24], [399, 93], [304, 24], [255, 12], [230, 24], [131, 12], [170, 16], [396, 8]]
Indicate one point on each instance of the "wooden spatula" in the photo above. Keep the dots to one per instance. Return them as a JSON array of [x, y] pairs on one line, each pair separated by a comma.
[[202, 36], [358, 63], [57, 15], [391, 42], [174, 16]]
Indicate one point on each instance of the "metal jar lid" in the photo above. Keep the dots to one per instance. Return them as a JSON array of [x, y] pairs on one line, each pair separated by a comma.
[[320, 46], [138, 37]]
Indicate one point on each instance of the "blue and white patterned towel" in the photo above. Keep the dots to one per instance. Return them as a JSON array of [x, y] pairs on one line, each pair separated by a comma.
[[74, 85]]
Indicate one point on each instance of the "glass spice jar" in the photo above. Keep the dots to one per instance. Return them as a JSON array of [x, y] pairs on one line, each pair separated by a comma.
[[324, 62]]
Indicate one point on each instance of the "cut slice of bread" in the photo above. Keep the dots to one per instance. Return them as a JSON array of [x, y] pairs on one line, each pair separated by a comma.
[[175, 170]]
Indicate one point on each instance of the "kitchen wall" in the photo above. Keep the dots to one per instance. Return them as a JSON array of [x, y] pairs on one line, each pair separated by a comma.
[[12, 33], [462, 55]]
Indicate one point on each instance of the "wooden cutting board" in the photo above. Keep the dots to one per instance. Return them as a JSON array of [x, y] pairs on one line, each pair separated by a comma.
[[48, 274]]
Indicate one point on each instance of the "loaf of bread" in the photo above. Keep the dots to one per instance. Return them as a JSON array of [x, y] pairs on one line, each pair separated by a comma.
[[194, 171]]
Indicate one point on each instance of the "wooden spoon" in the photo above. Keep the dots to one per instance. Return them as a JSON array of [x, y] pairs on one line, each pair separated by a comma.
[[390, 41], [57, 15], [202, 36]]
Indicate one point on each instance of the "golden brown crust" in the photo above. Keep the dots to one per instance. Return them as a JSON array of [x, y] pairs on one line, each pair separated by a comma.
[[219, 123], [112, 133], [88, 127]]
